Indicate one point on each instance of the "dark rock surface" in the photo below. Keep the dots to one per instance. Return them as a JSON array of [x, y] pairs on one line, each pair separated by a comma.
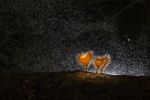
[[74, 86]]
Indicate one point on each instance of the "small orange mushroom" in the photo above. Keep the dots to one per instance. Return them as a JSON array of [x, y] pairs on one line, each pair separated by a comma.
[[101, 62], [85, 59]]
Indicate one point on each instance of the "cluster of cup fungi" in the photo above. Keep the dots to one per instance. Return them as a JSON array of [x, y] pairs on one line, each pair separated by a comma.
[[99, 62]]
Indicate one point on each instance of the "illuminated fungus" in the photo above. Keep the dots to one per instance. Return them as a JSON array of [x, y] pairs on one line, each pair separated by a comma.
[[101, 62], [85, 59]]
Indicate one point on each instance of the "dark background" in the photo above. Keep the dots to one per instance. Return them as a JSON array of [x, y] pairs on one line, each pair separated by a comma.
[[46, 35]]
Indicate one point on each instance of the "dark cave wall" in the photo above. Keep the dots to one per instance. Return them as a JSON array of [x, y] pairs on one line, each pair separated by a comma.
[[46, 35]]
